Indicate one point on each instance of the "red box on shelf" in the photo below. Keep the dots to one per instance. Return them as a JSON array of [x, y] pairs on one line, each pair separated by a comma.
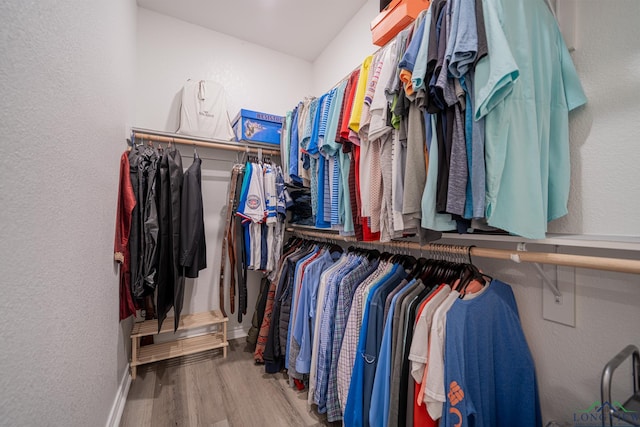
[[395, 17]]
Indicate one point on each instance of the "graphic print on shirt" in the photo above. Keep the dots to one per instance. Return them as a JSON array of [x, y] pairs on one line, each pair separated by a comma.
[[253, 201], [455, 396]]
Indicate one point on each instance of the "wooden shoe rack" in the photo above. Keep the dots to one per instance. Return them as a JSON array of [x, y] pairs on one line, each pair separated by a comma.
[[215, 338]]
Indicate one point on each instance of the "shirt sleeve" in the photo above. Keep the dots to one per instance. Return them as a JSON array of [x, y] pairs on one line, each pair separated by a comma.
[[573, 91], [496, 72]]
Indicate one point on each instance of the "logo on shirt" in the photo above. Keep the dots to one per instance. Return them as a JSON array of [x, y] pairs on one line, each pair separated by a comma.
[[598, 412], [253, 201], [206, 114], [455, 396]]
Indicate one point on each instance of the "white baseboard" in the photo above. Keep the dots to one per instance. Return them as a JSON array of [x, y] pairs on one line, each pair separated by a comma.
[[235, 333], [121, 398]]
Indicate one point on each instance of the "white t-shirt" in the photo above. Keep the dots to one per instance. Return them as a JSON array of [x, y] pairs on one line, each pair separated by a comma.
[[204, 111], [434, 392], [254, 207], [420, 344]]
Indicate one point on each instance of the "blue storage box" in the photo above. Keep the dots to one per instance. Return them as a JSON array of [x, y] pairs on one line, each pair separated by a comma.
[[254, 126]]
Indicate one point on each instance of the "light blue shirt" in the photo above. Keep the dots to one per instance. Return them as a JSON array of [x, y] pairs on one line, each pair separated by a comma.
[[329, 145], [326, 332], [294, 145], [353, 416], [462, 47], [474, 135], [408, 61], [303, 328], [420, 68], [526, 124], [312, 148], [297, 273], [380, 397]]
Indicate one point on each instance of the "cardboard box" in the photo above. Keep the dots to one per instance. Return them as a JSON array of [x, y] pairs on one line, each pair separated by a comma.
[[254, 126]]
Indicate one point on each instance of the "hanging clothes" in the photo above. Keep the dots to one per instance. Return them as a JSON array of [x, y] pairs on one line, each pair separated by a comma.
[[193, 249], [122, 255], [437, 89], [143, 161], [170, 197], [382, 340]]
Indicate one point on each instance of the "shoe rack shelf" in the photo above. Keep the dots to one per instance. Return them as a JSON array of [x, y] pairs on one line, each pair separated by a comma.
[[216, 337]]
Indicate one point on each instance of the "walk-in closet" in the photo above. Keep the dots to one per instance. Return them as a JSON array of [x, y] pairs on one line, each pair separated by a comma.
[[340, 213]]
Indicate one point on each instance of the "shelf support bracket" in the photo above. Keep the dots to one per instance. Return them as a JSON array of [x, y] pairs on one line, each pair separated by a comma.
[[522, 247]]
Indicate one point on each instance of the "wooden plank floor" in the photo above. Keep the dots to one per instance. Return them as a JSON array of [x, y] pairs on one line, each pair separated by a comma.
[[207, 390]]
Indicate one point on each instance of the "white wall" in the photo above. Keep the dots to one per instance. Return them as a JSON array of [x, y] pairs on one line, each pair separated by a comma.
[[67, 85], [604, 200], [346, 51], [171, 51], [604, 134]]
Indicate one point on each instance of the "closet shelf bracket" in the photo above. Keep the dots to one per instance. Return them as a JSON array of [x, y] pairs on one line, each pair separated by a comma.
[[522, 247]]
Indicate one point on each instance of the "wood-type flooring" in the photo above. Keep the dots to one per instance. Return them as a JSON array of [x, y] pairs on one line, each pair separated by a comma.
[[207, 390]]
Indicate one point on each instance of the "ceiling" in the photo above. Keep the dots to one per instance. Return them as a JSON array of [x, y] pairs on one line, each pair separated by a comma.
[[301, 28]]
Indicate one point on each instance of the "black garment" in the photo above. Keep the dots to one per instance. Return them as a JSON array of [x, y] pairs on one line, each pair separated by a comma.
[[193, 249], [241, 255], [134, 234], [169, 190], [404, 400], [271, 355], [301, 212], [258, 314], [143, 163]]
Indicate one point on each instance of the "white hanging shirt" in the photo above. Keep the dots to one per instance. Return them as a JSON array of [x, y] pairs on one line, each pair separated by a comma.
[[204, 111]]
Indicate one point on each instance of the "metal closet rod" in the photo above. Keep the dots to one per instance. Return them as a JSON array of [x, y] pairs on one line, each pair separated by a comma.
[[579, 261], [240, 147]]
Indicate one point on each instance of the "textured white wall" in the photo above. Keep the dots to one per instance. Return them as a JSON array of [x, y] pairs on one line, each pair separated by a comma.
[[604, 200], [171, 51], [347, 50], [67, 79], [604, 134]]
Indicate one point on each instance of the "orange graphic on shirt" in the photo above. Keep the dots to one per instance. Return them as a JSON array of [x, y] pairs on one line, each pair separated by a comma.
[[455, 395]]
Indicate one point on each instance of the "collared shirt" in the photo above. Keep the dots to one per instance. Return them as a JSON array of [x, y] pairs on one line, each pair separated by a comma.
[[326, 330], [379, 408], [294, 146], [315, 320], [302, 332], [374, 332], [343, 305], [399, 326], [353, 413], [351, 335], [293, 347]]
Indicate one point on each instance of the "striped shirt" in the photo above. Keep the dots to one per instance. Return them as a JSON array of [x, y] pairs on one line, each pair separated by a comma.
[[315, 321], [349, 345], [343, 306], [326, 331]]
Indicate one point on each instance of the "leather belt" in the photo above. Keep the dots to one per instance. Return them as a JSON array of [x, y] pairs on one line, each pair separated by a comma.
[[227, 242]]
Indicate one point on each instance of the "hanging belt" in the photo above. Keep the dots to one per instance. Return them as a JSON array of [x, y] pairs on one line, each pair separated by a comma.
[[241, 258], [225, 241]]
